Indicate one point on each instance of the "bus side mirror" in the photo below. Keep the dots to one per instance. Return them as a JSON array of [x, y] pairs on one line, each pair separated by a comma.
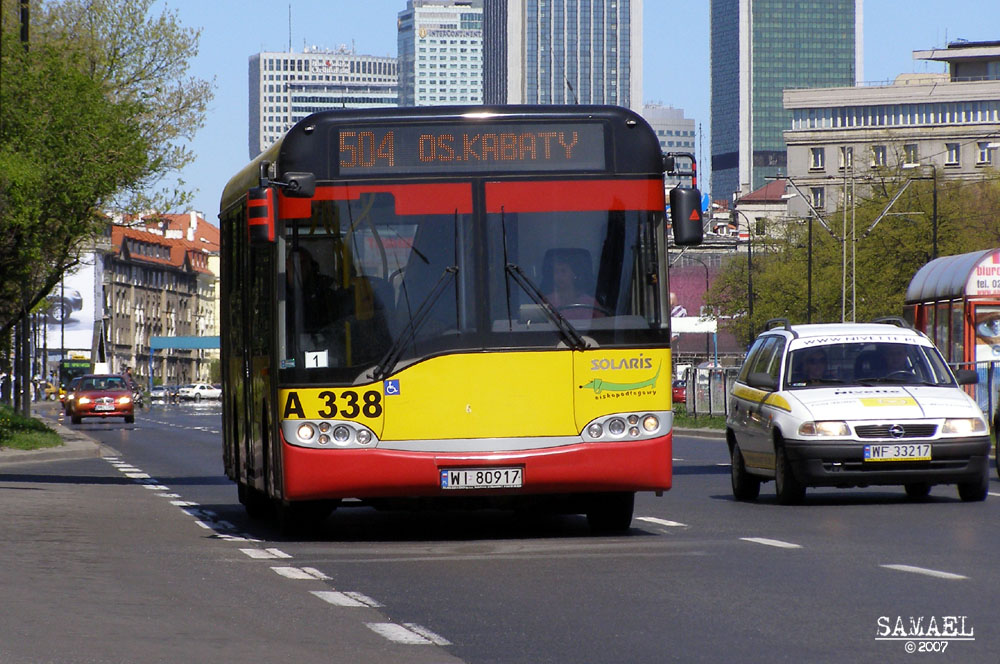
[[685, 216], [299, 185], [260, 215]]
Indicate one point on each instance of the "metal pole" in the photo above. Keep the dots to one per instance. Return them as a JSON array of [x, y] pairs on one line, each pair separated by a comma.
[[809, 276], [934, 247]]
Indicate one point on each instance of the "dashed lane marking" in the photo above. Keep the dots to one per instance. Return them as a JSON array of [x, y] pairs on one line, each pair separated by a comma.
[[772, 542], [661, 522], [265, 554], [348, 599], [406, 634], [301, 573], [925, 571]]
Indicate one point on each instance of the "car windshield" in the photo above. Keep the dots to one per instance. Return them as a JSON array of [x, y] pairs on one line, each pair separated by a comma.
[[865, 364], [102, 383], [393, 276]]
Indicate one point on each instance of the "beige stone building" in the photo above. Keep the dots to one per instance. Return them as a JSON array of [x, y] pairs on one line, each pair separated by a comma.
[[160, 278], [938, 126]]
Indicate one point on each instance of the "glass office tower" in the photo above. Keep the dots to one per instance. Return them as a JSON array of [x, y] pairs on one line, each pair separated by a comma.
[[563, 52], [760, 48]]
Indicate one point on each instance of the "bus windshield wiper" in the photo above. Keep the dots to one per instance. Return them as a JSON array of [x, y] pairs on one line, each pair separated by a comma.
[[522, 280], [410, 331]]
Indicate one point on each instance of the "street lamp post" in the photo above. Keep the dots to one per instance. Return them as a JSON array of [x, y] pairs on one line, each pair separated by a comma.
[[708, 353], [934, 203], [736, 212]]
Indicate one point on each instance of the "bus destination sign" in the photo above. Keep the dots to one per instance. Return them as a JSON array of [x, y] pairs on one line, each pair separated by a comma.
[[440, 148]]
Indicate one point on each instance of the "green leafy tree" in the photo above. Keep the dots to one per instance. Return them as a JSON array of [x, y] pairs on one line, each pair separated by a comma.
[[881, 258], [65, 148], [140, 57]]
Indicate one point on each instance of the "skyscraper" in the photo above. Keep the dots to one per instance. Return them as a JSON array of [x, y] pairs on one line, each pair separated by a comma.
[[563, 52], [440, 46], [286, 87], [760, 48]]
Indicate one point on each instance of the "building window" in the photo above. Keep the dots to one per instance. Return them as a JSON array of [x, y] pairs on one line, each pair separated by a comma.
[[985, 153], [910, 154], [817, 158], [878, 156], [846, 157], [954, 151], [818, 197]]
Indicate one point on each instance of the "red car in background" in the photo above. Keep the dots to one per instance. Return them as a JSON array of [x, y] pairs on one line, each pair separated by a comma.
[[101, 395], [680, 391]]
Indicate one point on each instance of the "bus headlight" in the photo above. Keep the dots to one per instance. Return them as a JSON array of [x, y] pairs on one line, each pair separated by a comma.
[[364, 436], [616, 426], [650, 423], [595, 430], [305, 432], [341, 434]]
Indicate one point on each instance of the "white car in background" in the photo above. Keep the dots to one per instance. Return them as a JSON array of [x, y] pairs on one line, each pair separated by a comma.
[[199, 391]]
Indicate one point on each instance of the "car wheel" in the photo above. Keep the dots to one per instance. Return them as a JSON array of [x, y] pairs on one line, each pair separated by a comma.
[[130, 419], [788, 489], [197, 397], [610, 513], [996, 445], [745, 486], [76, 419], [976, 490], [917, 490]]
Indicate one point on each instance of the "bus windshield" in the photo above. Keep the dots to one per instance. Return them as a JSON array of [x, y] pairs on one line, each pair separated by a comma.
[[409, 271]]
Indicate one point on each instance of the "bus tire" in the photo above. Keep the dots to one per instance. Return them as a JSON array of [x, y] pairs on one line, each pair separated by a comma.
[[255, 502], [304, 517], [610, 513]]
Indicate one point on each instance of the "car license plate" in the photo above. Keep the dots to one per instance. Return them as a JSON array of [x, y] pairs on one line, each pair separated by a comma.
[[482, 478], [894, 452], [102, 406]]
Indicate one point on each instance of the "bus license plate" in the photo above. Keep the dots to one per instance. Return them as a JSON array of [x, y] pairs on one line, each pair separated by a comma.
[[482, 478], [917, 452]]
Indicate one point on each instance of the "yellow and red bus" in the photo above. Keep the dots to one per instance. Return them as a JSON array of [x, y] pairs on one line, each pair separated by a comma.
[[468, 304]]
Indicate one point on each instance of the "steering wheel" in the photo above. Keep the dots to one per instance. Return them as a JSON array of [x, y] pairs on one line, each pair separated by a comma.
[[604, 311], [901, 374]]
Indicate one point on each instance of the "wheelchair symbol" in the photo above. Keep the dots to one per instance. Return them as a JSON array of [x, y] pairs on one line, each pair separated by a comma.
[[391, 387]]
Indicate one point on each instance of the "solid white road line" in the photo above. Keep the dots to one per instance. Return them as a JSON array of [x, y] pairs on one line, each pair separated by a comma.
[[772, 542], [923, 570], [661, 522]]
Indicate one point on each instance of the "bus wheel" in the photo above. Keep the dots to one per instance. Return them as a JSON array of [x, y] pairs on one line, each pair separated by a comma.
[[304, 517], [256, 502], [610, 513]]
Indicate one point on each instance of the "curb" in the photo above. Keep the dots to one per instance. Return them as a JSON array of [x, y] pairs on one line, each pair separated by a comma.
[[712, 434], [76, 445]]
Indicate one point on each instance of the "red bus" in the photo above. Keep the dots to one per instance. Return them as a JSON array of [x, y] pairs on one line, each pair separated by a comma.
[[463, 305]]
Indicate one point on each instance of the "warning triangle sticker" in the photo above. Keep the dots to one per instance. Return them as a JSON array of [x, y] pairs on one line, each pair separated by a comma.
[[694, 216]]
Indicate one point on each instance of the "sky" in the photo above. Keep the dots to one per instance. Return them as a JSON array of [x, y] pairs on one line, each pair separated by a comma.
[[675, 58]]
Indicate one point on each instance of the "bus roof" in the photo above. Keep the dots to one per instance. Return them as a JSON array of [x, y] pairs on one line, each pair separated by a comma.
[[296, 152]]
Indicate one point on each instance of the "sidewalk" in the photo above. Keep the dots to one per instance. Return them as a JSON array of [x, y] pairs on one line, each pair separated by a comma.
[[76, 445]]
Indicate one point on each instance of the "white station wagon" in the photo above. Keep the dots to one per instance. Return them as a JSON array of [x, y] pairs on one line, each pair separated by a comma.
[[199, 391], [853, 405]]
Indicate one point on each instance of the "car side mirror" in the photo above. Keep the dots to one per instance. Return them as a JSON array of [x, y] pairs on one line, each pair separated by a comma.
[[966, 377], [762, 381]]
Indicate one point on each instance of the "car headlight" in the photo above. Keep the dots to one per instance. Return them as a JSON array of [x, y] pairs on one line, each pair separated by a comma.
[[838, 429], [964, 425], [83, 401], [124, 400]]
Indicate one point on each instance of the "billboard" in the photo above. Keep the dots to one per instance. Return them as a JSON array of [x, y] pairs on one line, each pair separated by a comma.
[[72, 307]]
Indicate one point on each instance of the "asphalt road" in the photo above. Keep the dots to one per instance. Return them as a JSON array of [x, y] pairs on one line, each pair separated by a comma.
[[145, 555]]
